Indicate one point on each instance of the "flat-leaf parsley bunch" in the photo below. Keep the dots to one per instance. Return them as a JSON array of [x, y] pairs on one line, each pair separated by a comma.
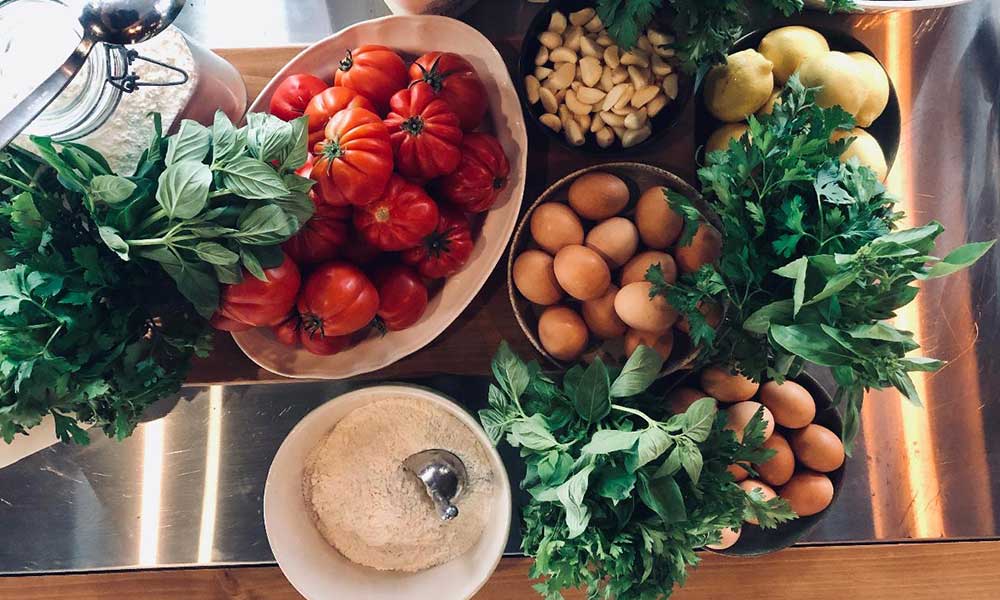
[[622, 493]]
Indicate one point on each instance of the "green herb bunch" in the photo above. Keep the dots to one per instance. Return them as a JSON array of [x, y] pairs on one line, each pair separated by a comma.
[[812, 266], [705, 28], [622, 493], [106, 281], [201, 203]]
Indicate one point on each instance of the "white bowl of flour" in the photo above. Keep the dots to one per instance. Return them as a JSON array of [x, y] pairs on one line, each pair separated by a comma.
[[339, 531]]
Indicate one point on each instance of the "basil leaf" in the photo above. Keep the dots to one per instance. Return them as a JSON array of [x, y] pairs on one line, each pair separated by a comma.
[[264, 226], [183, 189], [111, 189], [554, 468], [269, 257], [692, 461], [796, 270], [200, 288], [571, 380], [252, 265], [510, 372], [96, 160], [640, 371], [227, 141], [760, 321], [921, 363], [297, 183], [532, 433], [571, 495], [653, 442], [663, 496], [268, 136], [191, 142], [216, 254], [114, 241], [231, 274], [494, 422], [958, 259], [811, 343], [593, 399], [297, 149], [671, 465], [497, 399], [297, 206], [615, 483], [699, 418], [250, 178], [607, 441]]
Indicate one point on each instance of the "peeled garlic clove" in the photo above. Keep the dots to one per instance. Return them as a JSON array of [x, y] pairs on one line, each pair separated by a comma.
[[594, 25], [550, 39], [644, 95], [633, 137], [625, 98], [596, 123], [584, 121], [619, 74], [605, 40], [589, 47], [575, 105], [574, 134], [562, 78], [531, 87], [542, 72], [637, 119], [635, 57], [551, 121], [572, 37], [605, 84], [557, 22], [660, 67], [582, 17], [589, 95], [638, 77], [614, 96], [590, 71], [611, 119], [644, 44], [656, 104], [548, 99], [562, 54], [542, 57], [605, 137], [670, 83]]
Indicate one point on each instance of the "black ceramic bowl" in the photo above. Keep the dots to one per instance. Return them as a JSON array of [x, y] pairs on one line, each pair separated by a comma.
[[661, 123], [754, 540], [885, 129]]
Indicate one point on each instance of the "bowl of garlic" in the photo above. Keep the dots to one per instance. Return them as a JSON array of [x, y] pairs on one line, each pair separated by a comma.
[[590, 93]]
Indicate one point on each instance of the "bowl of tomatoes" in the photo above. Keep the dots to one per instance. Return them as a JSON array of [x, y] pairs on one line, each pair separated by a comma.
[[416, 172]]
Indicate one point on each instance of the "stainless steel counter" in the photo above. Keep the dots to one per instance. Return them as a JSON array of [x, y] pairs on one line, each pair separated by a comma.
[[187, 489]]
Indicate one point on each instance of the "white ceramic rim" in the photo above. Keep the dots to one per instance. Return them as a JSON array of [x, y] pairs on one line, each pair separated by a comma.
[[285, 557], [252, 341], [875, 5]]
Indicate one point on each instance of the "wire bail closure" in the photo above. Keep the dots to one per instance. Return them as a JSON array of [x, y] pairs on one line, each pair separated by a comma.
[[129, 82]]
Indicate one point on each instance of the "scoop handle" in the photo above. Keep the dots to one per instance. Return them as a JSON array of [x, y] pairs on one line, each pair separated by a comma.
[[34, 103]]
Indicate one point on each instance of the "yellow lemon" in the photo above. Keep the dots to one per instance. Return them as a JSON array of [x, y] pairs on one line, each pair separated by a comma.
[[866, 149], [736, 89], [787, 47], [876, 81], [840, 77]]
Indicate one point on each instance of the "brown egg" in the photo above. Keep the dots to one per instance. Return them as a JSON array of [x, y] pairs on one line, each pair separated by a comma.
[[615, 240], [554, 226], [750, 485], [778, 469], [601, 317], [635, 269], [659, 226], [535, 278], [641, 312], [663, 343], [581, 272], [705, 248], [562, 332], [726, 386], [739, 414], [729, 539], [790, 403], [597, 196], [738, 473], [711, 311], [808, 493], [680, 399], [817, 447]]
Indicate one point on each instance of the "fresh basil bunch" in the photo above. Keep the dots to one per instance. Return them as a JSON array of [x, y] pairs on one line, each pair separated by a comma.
[[622, 493], [202, 203]]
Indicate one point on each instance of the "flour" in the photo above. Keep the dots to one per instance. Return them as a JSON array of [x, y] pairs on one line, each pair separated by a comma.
[[375, 513]]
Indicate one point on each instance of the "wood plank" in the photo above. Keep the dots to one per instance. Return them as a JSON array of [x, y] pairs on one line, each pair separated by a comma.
[[916, 571]]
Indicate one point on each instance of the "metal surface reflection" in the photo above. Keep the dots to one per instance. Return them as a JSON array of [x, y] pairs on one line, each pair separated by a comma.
[[187, 489]]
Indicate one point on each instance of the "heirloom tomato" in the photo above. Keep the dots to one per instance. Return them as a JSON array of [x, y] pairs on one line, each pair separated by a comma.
[[480, 176], [322, 237], [425, 133], [376, 72], [329, 102], [402, 296], [445, 251], [354, 162], [399, 219], [262, 303], [337, 299], [294, 94], [287, 332], [455, 81], [291, 333]]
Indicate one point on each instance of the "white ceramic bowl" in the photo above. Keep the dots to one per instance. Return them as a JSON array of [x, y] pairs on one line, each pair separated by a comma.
[[412, 35], [318, 571], [879, 6]]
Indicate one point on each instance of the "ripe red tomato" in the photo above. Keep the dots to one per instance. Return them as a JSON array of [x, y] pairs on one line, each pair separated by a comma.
[[425, 133], [329, 102], [337, 299], [374, 71], [354, 163], [399, 219], [226, 324], [480, 176], [323, 236], [402, 296], [445, 251], [287, 332], [294, 94], [262, 303], [455, 80]]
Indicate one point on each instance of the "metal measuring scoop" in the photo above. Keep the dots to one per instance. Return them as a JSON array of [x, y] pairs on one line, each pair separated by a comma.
[[109, 21], [444, 476]]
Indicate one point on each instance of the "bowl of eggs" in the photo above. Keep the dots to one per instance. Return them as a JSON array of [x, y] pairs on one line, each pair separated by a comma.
[[577, 268], [803, 430], [758, 66]]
